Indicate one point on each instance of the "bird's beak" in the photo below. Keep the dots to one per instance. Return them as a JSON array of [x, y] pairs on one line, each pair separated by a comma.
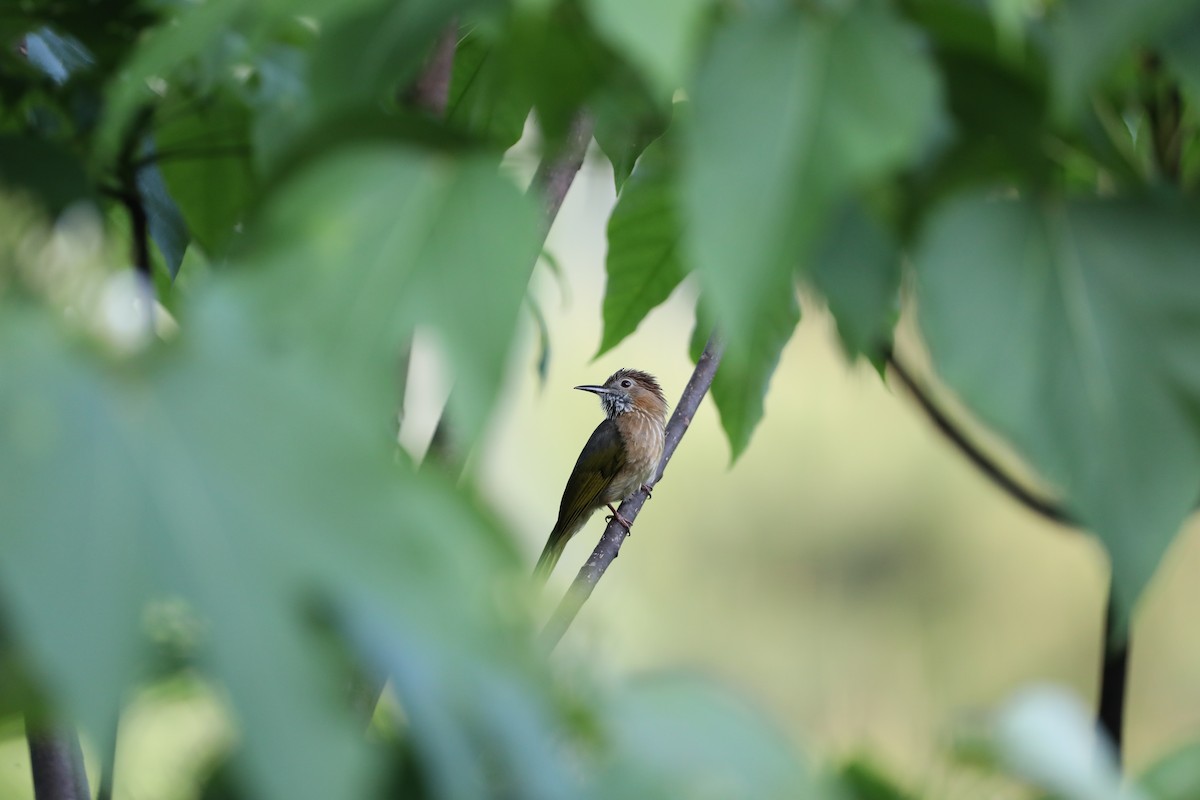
[[593, 389]]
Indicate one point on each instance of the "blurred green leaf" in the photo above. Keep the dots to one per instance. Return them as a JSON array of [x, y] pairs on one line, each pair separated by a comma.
[[861, 780], [183, 484], [787, 112], [167, 227], [1072, 328], [365, 59], [370, 242], [1090, 36], [483, 99], [658, 36], [739, 388], [643, 246], [677, 737], [627, 122], [155, 56], [48, 172], [1176, 777], [857, 270], [203, 153]]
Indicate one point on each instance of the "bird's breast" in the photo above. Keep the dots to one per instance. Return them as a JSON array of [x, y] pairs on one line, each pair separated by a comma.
[[643, 439]]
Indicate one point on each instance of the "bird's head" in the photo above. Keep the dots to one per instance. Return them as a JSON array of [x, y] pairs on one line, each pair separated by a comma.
[[630, 390]]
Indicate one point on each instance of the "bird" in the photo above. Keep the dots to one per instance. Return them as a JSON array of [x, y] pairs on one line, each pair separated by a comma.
[[620, 457]]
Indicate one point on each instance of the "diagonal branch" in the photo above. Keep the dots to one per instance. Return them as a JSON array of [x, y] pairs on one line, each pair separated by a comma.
[[973, 452], [1115, 645], [614, 535], [56, 763]]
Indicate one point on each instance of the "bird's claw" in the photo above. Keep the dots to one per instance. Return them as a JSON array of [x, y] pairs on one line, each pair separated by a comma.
[[646, 488], [624, 523]]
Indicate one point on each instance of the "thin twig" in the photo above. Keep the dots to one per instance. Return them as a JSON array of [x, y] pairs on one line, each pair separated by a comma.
[[991, 470], [614, 535], [56, 762]]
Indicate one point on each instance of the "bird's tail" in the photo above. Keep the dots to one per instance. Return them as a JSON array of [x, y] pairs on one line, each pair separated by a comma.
[[550, 555]]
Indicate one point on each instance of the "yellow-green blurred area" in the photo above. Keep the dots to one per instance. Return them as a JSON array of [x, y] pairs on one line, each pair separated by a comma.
[[851, 575]]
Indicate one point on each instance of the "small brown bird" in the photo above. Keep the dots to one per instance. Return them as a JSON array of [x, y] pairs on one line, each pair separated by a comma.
[[621, 456]]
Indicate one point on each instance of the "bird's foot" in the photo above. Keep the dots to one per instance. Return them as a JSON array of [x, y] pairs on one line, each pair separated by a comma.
[[646, 488], [624, 523]]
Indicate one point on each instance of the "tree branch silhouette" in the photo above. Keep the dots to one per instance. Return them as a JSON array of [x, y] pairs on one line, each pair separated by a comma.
[[1114, 670], [614, 535]]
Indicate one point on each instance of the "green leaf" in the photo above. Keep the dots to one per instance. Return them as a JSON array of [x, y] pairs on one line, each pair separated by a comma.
[[203, 151], [1072, 329], [682, 737], [763, 165], [156, 55], [166, 225], [482, 99], [1176, 777], [659, 36], [627, 121], [857, 270], [739, 388], [183, 485], [369, 242], [1090, 36], [643, 246]]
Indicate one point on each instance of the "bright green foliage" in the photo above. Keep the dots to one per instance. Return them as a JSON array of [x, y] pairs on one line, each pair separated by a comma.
[[643, 246], [1076, 333]]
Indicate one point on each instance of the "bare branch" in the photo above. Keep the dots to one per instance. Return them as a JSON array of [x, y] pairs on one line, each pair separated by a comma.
[[56, 763], [614, 535], [991, 470]]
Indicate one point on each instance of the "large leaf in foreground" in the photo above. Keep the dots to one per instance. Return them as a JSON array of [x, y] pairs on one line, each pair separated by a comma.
[[368, 243], [787, 115], [249, 485], [1074, 330]]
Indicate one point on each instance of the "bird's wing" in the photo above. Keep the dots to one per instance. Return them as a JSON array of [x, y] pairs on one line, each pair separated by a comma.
[[601, 459]]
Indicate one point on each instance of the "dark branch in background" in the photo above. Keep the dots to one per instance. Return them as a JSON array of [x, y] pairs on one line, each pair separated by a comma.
[[57, 764], [1115, 646], [131, 196], [430, 91], [614, 535], [1114, 674], [991, 470]]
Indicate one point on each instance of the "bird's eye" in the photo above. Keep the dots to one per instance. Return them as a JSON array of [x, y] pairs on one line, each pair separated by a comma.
[[625, 384]]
